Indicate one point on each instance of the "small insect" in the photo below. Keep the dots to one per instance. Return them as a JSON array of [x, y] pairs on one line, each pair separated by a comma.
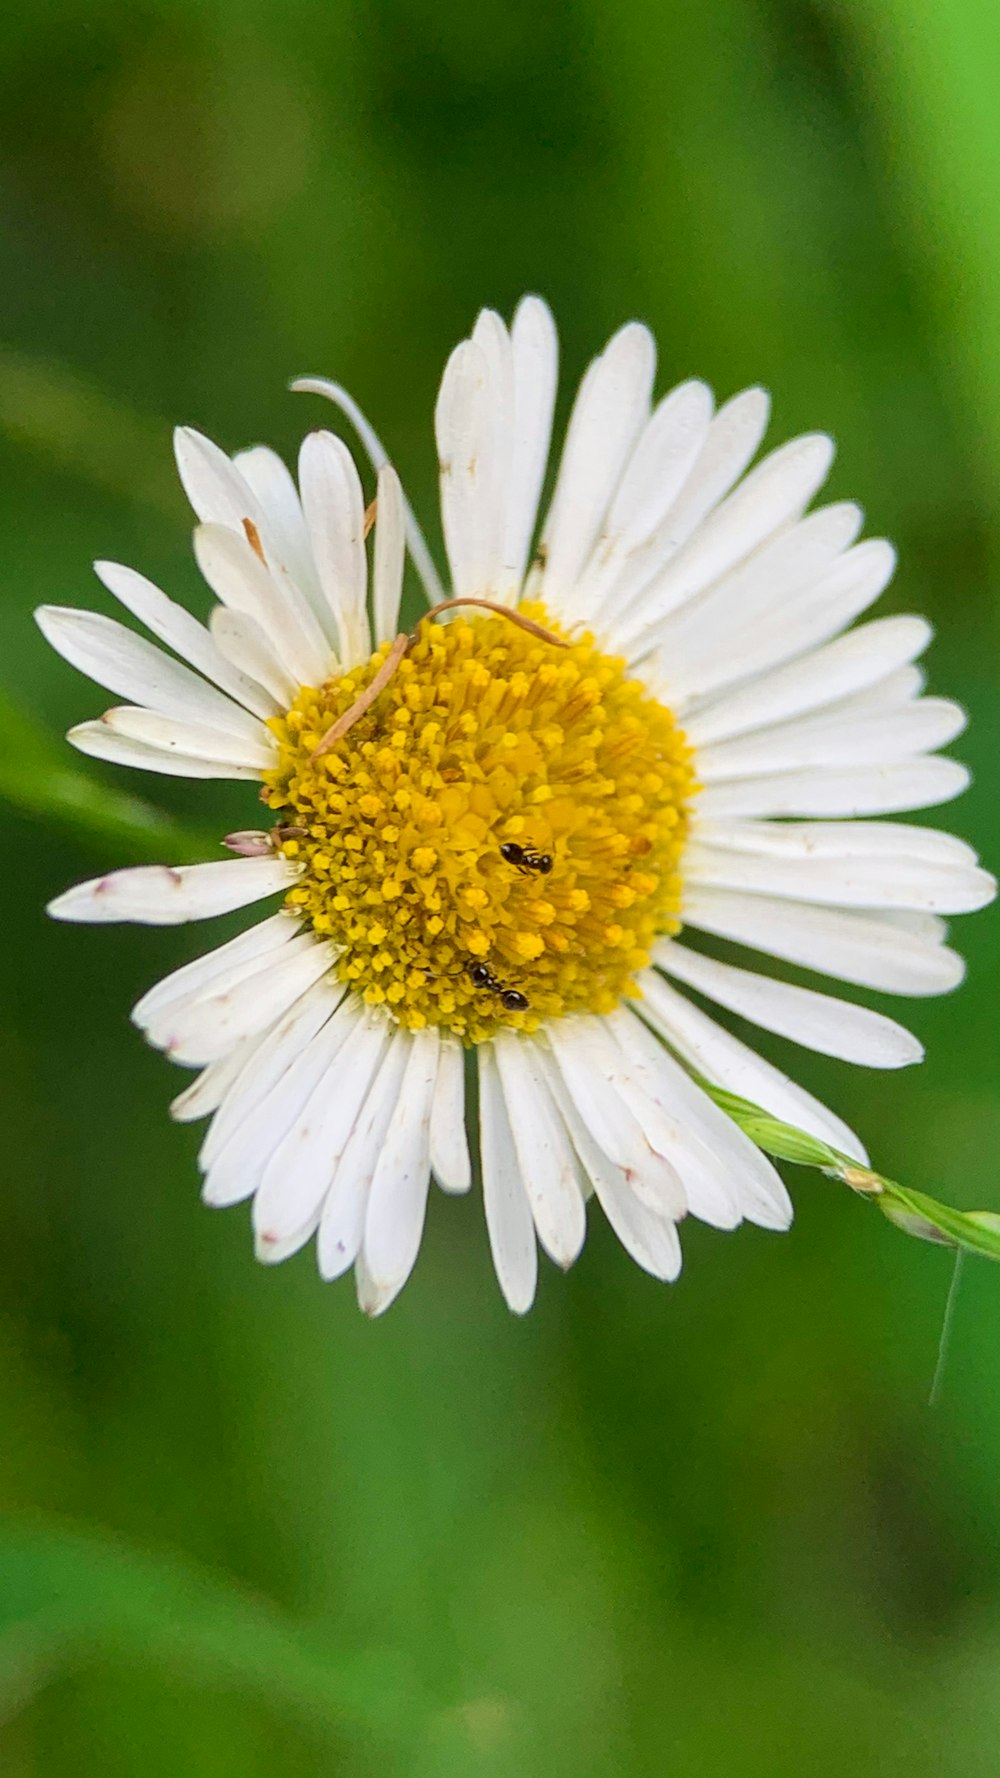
[[481, 976], [526, 858]]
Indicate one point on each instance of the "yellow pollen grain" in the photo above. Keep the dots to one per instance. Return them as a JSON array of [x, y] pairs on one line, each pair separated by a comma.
[[487, 735]]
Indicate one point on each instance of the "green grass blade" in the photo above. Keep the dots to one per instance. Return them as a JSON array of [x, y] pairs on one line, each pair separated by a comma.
[[37, 778]]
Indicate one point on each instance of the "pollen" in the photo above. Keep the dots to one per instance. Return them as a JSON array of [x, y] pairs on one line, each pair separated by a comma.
[[487, 734]]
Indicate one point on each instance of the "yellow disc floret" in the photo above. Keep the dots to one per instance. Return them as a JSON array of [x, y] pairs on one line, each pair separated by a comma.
[[486, 737]]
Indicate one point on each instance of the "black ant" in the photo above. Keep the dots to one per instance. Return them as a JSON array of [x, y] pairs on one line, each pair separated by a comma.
[[526, 858], [481, 976]]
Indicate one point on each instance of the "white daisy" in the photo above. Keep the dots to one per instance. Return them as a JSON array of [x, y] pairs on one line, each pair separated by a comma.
[[491, 838]]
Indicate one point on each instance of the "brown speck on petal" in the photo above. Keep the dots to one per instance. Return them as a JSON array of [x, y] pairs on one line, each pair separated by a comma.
[[253, 538]]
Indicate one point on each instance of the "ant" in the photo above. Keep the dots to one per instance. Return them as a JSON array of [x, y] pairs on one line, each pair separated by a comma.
[[526, 858], [481, 976]]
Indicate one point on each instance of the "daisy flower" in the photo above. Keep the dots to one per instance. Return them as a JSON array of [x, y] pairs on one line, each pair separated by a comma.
[[491, 838]]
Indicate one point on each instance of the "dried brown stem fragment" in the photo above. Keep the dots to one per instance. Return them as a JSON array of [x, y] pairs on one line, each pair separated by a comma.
[[507, 611], [364, 700]]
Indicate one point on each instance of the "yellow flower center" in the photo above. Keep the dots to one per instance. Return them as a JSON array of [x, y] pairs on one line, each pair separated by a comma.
[[497, 840]]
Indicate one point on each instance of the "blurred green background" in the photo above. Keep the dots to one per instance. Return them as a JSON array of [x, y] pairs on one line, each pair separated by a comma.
[[706, 1529]]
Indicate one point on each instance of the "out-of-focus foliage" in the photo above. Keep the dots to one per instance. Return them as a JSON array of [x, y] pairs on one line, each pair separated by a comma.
[[695, 1530]]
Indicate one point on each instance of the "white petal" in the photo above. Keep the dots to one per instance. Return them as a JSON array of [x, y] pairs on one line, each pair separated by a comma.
[[857, 948], [904, 686], [759, 589], [778, 490], [299, 1174], [449, 1148], [859, 880], [651, 1240], [240, 580], [100, 742], [342, 1225], [679, 1172], [131, 667], [929, 927], [216, 488], [497, 444], [849, 665], [235, 1166], [390, 549], [632, 538], [659, 465], [343, 1222], [199, 1031], [707, 1185], [169, 895], [535, 357], [835, 741], [334, 506], [274, 1251], [817, 1021], [631, 1130], [727, 1063], [241, 639], [372, 1299], [273, 485], [222, 496], [732, 441], [219, 494], [379, 456], [191, 740], [837, 839], [819, 613], [276, 1052], [875, 789], [183, 633], [758, 1186], [610, 409], [210, 1086], [593, 1086], [397, 1201], [242, 981], [472, 484], [543, 1150], [509, 1220], [259, 941]]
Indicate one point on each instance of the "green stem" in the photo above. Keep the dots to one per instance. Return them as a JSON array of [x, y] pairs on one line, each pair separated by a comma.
[[970, 1231]]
